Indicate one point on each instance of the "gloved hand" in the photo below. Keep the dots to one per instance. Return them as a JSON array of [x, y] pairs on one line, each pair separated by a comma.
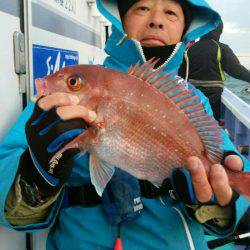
[[47, 133], [192, 185], [184, 188], [203, 186]]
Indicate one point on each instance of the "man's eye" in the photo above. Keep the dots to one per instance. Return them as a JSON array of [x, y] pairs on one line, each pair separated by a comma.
[[171, 15], [143, 8], [170, 12]]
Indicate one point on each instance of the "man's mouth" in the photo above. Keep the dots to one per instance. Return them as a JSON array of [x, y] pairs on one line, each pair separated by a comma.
[[152, 40]]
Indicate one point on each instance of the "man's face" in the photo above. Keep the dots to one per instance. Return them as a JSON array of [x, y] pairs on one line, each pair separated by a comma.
[[155, 22]]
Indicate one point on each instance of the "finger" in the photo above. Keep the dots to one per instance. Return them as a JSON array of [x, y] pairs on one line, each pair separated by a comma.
[[57, 99], [202, 188], [71, 112], [234, 162], [220, 185]]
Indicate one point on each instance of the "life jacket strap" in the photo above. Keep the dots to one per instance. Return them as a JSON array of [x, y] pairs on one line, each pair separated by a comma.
[[87, 196]]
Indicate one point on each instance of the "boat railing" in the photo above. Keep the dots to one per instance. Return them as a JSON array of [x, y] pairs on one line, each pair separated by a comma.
[[236, 116]]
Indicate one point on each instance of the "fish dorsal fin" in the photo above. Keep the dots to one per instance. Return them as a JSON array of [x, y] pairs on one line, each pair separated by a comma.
[[175, 89]]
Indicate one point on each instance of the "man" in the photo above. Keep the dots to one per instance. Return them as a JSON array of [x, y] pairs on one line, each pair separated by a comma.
[[35, 197], [205, 63]]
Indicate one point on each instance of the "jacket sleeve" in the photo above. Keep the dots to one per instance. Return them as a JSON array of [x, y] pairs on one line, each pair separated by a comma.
[[241, 205], [231, 64], [11, 149], [19, 213]]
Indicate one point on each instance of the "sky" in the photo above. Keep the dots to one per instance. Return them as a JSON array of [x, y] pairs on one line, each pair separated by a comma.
[[236, 17]]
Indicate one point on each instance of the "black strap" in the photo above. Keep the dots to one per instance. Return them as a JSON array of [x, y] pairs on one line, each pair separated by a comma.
[[84, 195], [87, 196]]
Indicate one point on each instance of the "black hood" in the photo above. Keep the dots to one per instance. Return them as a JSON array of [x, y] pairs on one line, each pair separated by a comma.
[[214, 34]]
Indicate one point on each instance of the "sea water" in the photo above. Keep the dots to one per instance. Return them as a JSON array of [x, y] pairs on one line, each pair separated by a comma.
[[238, 88]]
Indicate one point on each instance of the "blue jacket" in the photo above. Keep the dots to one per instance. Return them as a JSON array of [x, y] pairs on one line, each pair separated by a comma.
[[160, 226]]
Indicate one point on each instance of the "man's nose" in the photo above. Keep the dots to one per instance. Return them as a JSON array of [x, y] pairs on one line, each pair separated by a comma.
[[156, 20], [155, 25]]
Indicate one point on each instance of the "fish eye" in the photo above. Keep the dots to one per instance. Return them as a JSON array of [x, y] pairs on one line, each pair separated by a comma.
[[75, 83]]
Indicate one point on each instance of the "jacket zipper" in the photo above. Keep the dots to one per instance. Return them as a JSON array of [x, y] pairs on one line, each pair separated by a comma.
[[138, 44], [185, 224], [188, 234]]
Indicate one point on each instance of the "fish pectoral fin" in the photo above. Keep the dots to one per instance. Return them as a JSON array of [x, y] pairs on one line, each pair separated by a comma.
[[156, 184], [100, 173]]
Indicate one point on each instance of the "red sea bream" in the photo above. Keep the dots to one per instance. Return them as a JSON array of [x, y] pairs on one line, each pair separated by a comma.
[[147, 123]]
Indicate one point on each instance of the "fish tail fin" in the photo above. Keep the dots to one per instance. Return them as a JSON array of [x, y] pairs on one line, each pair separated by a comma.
[[240, 182]]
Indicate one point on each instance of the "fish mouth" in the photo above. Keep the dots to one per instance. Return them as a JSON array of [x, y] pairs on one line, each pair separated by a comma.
[[41, 87], [153, 40]]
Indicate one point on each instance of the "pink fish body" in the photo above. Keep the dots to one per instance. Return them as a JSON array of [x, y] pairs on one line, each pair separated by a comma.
[[147, 123]]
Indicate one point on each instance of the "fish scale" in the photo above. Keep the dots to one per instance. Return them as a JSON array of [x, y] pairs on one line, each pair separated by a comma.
[[147, 123], [132, 140], [131, 143]]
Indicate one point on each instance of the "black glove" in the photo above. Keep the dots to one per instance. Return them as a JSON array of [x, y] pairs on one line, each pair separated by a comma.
[[183, 188], [184, 192], [46, 134]]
